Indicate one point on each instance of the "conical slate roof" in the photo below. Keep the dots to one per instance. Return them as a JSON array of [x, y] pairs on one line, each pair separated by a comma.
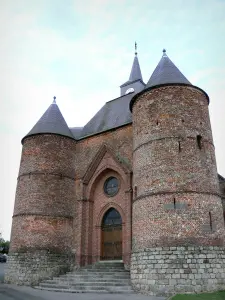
[[52, 121], [135, 73], [166, 72]]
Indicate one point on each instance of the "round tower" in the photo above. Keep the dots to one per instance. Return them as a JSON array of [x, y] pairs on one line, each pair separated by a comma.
[[42, 227], [178, 226]]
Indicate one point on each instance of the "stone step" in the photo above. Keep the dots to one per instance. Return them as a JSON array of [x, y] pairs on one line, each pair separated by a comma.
[[84, 285], [92, 279], [101, 277], [100, 285], [114, 261], [104, 270], [82, 272], [107, 265], [93, 275], [109, 291]]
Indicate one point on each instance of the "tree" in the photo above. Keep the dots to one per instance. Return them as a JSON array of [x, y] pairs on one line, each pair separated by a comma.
[[4, 245]]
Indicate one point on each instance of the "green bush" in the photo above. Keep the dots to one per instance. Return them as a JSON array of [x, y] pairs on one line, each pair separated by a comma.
[[209, 296]]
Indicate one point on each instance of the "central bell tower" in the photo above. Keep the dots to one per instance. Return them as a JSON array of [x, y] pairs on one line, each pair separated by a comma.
[[135, 84]]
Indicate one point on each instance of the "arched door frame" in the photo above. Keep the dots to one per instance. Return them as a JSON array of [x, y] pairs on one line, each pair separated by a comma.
[[111, 242], [105, 209], [98, 167]]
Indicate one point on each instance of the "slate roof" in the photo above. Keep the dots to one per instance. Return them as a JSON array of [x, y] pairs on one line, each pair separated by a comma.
[[136, 70], [52, 121], [166, 72], [114, 113], [221, 178], [135, 73], [76, 132]]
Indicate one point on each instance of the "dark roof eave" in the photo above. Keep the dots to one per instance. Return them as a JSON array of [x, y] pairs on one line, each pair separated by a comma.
[[133, 81], [42, 133], [165, 84], [221, 178], [103, 131]]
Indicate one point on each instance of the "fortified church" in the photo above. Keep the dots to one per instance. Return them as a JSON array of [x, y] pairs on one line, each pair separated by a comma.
[[137, 183]]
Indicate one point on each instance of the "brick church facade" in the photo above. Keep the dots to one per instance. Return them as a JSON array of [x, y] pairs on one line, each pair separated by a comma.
[[138, 182]]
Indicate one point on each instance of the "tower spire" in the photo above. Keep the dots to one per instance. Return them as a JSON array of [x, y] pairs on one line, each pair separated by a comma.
[[135, 45], [135, 73], [135, 81], [164, 52]]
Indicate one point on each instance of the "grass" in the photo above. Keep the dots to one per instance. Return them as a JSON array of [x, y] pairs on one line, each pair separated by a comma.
[[209, 296]]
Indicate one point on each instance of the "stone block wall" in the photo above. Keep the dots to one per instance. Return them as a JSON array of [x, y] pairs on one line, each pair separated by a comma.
[[29, 268], [170, 270]]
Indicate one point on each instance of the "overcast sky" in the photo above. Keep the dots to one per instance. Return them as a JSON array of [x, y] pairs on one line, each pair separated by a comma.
[[82, 51]]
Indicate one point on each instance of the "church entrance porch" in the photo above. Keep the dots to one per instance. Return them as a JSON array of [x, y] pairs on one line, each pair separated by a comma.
[[111, 236], [104, 212]]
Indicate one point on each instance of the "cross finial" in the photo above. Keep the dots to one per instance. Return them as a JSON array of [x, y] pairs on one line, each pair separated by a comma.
[[54, 100], [135, 45]]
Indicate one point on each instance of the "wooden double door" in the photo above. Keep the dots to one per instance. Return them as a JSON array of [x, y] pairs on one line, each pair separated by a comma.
[[111, 239]]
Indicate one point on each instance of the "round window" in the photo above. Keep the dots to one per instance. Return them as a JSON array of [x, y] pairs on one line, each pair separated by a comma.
[[111, 186]]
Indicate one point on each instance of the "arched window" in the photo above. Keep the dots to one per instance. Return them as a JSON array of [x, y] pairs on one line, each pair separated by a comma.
[[112, 217]]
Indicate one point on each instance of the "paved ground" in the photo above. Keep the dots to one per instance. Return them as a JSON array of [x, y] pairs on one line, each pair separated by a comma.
[[13, 292], [2, 267]]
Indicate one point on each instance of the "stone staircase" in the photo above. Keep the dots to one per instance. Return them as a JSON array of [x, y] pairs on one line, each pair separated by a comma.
[[103, 277]]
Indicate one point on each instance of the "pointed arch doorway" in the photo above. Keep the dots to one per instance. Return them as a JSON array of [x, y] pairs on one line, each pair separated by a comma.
[[111, 235]]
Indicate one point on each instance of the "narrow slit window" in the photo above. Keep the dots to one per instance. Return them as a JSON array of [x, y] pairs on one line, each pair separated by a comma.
[[210, 220], [157, 122], [179, 146], [174, 203], [135, 191], [199, 141]]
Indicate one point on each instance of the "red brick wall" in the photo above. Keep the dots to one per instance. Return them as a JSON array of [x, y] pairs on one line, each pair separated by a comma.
[[120, 140], [44, 205], [177, 184]]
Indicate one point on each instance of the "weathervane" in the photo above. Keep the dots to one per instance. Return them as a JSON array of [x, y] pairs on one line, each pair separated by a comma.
[[135, 48]]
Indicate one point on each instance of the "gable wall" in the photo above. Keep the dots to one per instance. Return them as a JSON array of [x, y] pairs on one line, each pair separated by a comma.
[[120, 142]]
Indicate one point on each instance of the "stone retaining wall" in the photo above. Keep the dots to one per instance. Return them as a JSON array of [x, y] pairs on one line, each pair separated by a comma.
[[32, 267], [169, 270]]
